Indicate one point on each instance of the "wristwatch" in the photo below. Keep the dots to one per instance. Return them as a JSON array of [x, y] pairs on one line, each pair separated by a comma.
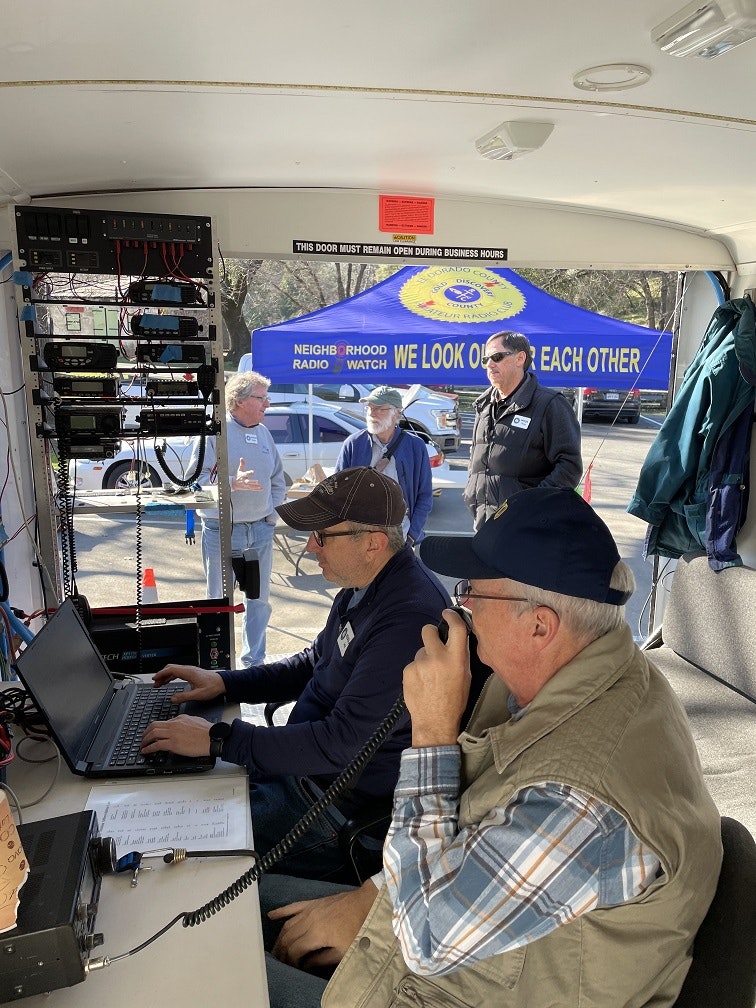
[[219, 732]]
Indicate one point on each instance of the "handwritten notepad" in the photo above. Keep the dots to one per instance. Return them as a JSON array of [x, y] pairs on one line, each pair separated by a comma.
[[211, 813]]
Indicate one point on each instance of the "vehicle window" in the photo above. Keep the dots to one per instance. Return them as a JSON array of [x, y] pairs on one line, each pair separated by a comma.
[[350, 420], [283, 427], [337, 393], [327, 431], [328, 392], [289, 389]]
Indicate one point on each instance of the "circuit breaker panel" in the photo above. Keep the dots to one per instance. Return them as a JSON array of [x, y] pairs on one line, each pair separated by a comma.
[[117, 313]]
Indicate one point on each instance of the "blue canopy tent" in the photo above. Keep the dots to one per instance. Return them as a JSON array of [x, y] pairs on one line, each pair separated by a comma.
[[431, 323]]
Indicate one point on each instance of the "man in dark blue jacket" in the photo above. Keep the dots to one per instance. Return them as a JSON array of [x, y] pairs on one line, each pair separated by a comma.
[[398, 453], [344, 684]]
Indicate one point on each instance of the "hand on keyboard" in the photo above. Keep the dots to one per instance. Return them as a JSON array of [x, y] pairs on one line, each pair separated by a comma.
[[184, 735], [203, 683]]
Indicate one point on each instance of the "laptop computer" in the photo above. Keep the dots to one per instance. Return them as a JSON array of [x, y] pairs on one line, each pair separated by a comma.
[[96, 721]]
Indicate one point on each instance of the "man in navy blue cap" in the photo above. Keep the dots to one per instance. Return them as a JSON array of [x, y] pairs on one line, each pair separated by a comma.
[[560, 848]]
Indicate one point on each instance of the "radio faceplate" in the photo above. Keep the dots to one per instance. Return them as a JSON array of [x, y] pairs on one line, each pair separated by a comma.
[[50, 945], [70, 356]]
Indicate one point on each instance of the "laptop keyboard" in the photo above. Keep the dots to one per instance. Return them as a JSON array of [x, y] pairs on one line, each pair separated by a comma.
[[148, 705]]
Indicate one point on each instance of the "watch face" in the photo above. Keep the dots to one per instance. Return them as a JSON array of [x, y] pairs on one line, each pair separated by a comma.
[[220, 730]]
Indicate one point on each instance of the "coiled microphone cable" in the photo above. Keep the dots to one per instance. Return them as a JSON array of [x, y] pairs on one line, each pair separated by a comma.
[[346, 779]]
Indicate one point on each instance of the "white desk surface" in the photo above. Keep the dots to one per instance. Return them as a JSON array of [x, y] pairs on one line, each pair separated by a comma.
[[218, 962], [153, 499]]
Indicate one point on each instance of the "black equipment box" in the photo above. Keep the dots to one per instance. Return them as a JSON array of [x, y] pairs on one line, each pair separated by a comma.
[[188, 634], [49, 947], [160, 640]]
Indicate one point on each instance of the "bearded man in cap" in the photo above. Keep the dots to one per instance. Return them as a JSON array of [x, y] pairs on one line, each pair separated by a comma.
[[343, 685], [561, 847], [397, 452]]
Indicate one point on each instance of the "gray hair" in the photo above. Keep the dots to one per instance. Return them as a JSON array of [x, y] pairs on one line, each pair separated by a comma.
[[242, 386], [394, 533], [584, 618]]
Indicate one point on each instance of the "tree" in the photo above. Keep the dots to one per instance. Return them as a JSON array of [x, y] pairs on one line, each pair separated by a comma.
[[646, 297], [236, 278], [256, 293]]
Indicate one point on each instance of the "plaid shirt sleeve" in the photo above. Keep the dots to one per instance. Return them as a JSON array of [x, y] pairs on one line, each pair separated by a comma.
[[462, 895]]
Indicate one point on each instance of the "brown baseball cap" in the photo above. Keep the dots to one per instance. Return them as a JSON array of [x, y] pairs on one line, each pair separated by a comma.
[[359, 495]]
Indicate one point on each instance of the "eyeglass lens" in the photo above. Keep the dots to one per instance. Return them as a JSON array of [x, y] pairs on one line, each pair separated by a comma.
[[496, 357]]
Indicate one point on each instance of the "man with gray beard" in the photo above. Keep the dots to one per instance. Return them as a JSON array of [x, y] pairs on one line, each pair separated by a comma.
[[398, 453]]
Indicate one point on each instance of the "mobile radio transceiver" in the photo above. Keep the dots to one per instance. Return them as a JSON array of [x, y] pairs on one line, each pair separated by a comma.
[[80, 356], [163, 292], [85, 387], [86, 431], [173, 353], [164, 326], [163, 422], [173, 387], [49, 946]]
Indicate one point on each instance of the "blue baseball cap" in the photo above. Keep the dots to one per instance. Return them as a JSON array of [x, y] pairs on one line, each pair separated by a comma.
[[546, 537]]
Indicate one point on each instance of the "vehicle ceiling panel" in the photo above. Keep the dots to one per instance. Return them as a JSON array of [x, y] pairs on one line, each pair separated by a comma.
[[99, 98]]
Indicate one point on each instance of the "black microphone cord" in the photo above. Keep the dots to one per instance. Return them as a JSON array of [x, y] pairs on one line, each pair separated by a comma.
[[345, 780]]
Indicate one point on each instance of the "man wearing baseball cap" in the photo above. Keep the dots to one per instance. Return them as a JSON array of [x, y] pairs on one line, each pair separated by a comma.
[[344, 684], [561, 847], [397, 452]]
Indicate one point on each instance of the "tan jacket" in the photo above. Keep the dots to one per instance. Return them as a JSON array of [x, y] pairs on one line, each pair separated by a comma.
[[609, 724]]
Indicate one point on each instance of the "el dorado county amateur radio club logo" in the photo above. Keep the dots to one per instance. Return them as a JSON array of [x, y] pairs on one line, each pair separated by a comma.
[[461, 294]]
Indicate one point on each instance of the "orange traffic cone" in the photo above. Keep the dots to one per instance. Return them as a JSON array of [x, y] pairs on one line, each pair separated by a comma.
[[149, 588]]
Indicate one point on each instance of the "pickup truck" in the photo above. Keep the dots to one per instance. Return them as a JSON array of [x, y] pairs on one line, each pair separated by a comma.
[[433, 413]]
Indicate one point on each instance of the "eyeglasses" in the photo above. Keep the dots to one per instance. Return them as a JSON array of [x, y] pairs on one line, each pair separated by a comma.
[[320, 537], [463, 591], [262, 398], [498, 356]]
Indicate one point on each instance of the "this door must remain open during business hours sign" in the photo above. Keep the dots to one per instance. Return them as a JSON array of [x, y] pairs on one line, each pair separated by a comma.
[[391, 251]]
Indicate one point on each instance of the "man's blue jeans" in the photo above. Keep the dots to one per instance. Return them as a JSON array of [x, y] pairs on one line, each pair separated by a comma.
[[278, 803], [258, 535], [287, 985]]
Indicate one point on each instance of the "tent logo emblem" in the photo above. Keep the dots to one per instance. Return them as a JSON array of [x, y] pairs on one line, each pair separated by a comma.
[[461, 294]]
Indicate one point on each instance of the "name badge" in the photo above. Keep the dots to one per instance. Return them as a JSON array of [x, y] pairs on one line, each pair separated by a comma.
[[345, 638], [251, 438], [520, 421]]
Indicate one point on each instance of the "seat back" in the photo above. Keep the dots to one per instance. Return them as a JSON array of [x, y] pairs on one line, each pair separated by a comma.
[[723, 970], [708, 622]]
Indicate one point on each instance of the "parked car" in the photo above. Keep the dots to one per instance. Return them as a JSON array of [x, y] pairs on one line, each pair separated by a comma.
[[610, 404], [653, 400], [433, 413], [607, 404], [289, 426]]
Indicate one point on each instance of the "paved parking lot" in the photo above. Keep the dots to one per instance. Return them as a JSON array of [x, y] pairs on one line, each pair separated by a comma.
[[106, 546]]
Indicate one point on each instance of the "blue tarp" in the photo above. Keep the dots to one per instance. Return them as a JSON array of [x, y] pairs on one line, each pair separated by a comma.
[[429, 324]]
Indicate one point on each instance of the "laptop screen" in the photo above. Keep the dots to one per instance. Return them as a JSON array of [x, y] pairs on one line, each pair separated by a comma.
[[66, 677]]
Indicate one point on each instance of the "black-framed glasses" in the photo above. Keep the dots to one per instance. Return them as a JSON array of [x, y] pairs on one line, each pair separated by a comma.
[[498, 356], [462, 591], [320, 537]]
